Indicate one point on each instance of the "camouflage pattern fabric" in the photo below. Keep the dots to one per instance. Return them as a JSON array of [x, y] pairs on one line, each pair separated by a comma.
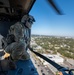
[[18, 39], [6, 41], [17, 48], [17, 51], [17, 30], [28, 20], [10, 39]]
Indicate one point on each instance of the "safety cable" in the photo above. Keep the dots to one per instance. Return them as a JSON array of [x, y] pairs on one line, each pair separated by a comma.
[[57, 66]]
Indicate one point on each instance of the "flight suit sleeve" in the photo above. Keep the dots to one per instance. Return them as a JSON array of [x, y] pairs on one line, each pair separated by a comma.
[[7, 52], [8, 49]]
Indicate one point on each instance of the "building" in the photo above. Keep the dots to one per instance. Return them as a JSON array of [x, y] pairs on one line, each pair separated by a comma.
[[55, 58]]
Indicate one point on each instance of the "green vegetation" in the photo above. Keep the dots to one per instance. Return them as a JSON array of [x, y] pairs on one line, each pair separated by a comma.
[[65, 46]]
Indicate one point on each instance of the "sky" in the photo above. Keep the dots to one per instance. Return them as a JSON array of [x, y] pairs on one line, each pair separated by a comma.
[[48, 22]]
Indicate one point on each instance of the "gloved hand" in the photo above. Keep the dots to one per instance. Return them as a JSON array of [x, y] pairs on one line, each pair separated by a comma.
[[6, 55]]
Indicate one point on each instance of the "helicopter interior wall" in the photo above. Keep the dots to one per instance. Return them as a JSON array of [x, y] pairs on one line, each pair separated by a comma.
[[25, 5], [4, 26], [15, 7], [19, 3], [5, 3]]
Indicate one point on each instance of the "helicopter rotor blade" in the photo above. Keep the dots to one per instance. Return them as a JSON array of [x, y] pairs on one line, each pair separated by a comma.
[[54, 5]]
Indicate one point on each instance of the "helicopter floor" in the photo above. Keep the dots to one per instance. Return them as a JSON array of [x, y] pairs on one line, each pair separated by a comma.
[[25, 67]]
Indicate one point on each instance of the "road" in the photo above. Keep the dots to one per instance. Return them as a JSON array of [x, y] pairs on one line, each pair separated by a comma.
[[68, 65], [42, 70]]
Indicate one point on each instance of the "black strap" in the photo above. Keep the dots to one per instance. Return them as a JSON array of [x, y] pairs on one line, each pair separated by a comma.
[[2, 72]]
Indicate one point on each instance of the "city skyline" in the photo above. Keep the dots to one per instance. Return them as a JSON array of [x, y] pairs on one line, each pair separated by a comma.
[[49, 23]]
